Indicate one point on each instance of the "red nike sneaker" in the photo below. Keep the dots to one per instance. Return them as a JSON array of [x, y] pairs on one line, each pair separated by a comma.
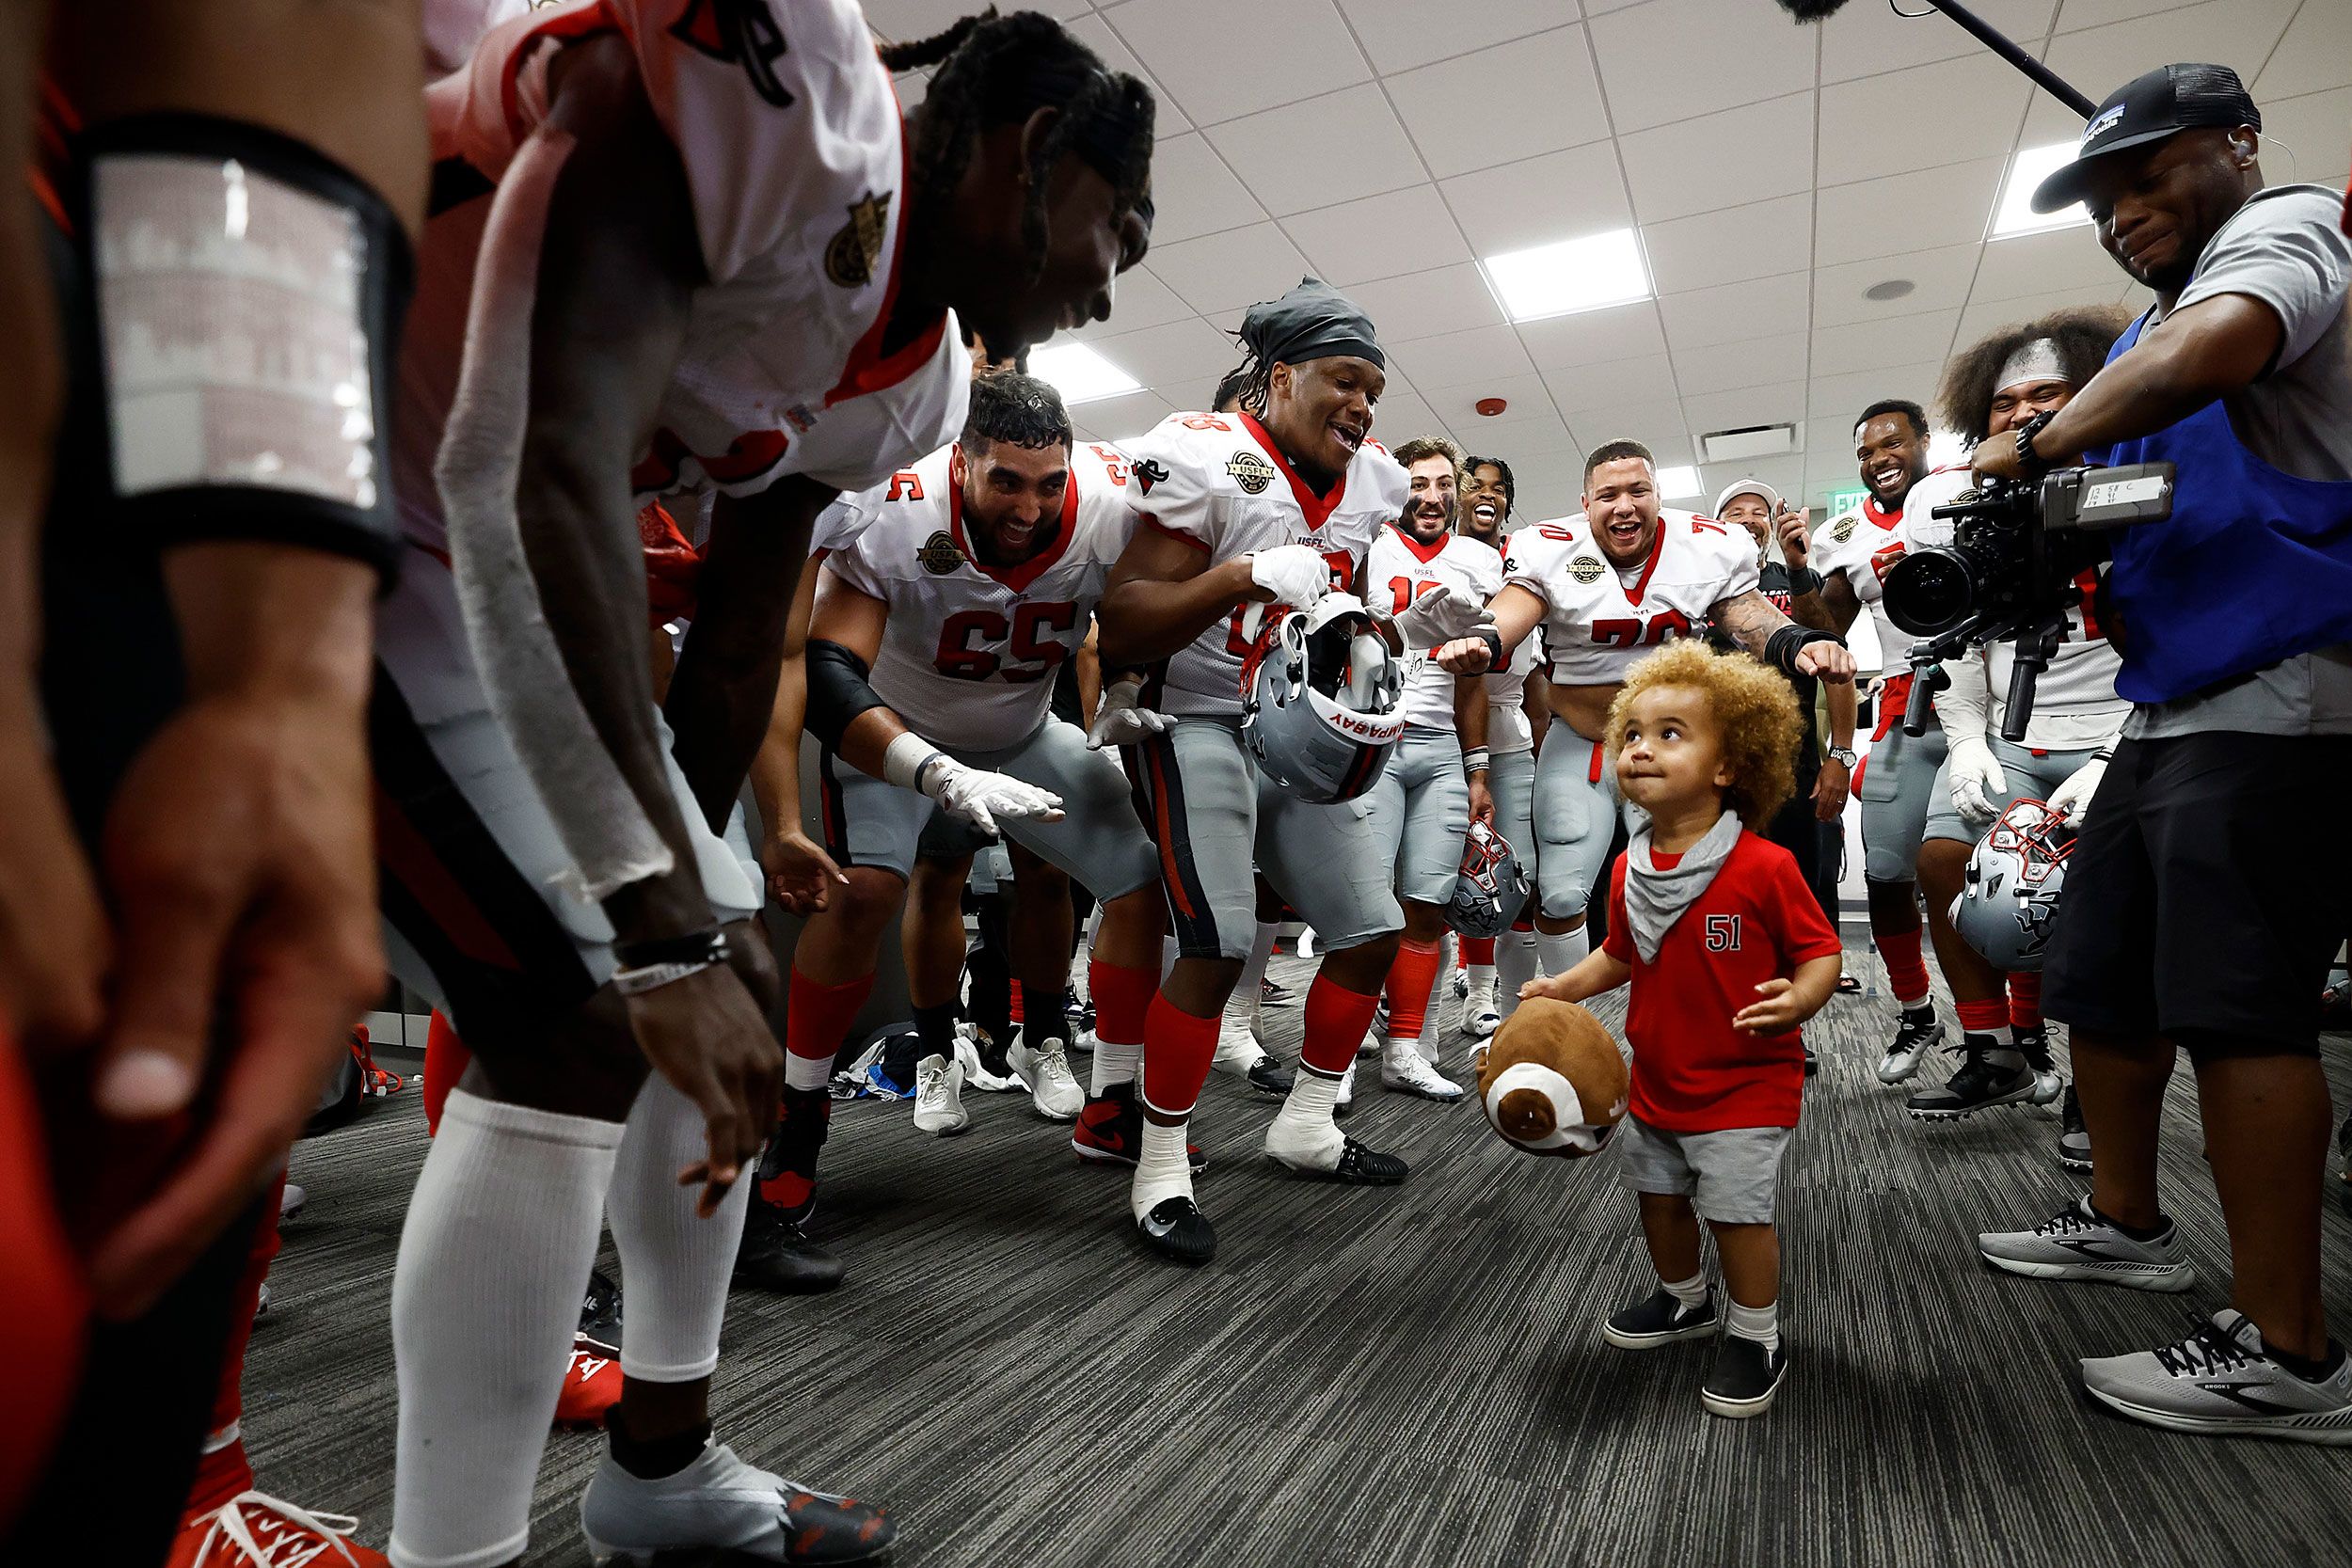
[[592, 1384], [374, 1082], [1110, 1131], [256, 1530]]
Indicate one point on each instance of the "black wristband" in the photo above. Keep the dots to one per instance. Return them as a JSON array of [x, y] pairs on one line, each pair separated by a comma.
[[1493, 640], [2030, 464], [1781, 652], [1803, 581], [703, 948]]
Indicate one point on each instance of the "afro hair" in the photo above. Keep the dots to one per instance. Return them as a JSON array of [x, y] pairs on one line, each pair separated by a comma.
[[1754, 707]]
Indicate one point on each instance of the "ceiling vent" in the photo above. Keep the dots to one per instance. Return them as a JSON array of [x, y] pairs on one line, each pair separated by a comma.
[[1754, 440]]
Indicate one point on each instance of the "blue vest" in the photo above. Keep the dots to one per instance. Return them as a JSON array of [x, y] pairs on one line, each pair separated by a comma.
[[2254, 565]]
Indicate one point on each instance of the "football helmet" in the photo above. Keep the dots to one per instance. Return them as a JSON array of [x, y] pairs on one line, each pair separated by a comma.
[[1492, 886], [1322, 699], [2008, 899]]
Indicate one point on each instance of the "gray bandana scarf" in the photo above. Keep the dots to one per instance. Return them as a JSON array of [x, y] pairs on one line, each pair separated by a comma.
[[1655, 899]]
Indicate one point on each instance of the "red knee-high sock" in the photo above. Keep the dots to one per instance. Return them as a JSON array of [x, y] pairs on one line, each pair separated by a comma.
[[1983, 1018], [1177, 1049], [2024, 1000], [1336, 1020], [1478, 950], [445, 1061], [1016, 1003], [816, 1019], [1122, 1001], [1411, 975], [1906, 971], [224, 1471]]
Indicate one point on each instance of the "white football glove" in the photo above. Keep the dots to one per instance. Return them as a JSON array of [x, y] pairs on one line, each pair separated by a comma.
[[2071, 800], [1119, 721], [1293, 574], [1438, 617], [1977, 779], [982, 797]]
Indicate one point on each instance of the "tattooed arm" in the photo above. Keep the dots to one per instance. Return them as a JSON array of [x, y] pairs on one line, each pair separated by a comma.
[[1750, 620]]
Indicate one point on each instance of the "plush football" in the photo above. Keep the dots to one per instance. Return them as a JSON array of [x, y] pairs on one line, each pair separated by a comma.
[[1553, 1080]]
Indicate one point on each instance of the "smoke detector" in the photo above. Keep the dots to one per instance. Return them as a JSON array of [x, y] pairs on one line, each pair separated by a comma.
[[1491, 406]]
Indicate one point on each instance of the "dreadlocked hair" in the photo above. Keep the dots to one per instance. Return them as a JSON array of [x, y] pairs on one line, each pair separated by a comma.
[[2083, 335], [1228, 387], [1000, 70]]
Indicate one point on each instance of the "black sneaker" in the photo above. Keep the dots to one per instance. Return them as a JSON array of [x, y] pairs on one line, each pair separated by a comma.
[[788, 1166], [1177, 1229], [1357, 1166], [1270, 1077], [600, 1310], [2074, 1138], [1744, 1379], [777, 1254], [1658, 1320], [1915, 1036], [1979, 1084], [1272, 993]]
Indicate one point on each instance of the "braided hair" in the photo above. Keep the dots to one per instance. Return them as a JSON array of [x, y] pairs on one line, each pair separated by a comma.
[[997, 71]]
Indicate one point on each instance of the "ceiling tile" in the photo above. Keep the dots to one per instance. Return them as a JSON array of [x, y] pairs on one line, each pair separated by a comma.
[[1982, 317], [1866, 346], [1720, 160], [1784, 474], [1755, 309], [1535, 95], [1139, 299], [1223, 58], [2239, 34], [1833, 400], [1775, 403], [1730, 245], [1525, 392], [1920, 119], [1178, 357], [1398, 36], [1560, 196], [1864, 40], [904, 19], [1363, 151], [1648, 379], [1424, 304], [2041, 263], [1657, 426], [1225, 272], [2315, 55], [1663, 58], [1380, 236], [2308, 137], [1458, 357], [1906, 212], [1166, 119], [1720, 367], [1400, 417], [1594, 336], [1196, 194], [1118, 419], [1940, 280]]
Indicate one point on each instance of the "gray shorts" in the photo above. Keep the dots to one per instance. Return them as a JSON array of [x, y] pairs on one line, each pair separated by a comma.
[[1098, 842], [1215, 815], [2032, 776], [1419, 807], [1576, 807], [1512, 783], [1899, 789], [1730, 1176]]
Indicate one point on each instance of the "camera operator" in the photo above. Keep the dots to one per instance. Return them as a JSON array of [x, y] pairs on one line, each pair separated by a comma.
[[2205, 897], [1989, 390]]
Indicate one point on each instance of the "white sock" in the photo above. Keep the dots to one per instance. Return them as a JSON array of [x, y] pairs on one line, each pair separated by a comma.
[[1482, 983], [676, 1265], [1431, 1033], [500, 1234], [1563, 951], [1113, 1065], [1515, 965], [1690, 1292], [1163, 1169], [1254, 967], [1760, 1324], [803, 1073], [1304, 1128]]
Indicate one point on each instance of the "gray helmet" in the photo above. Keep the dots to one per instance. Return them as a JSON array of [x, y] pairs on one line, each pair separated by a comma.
[[2009, 901], [1492, 886], [1322, 700]]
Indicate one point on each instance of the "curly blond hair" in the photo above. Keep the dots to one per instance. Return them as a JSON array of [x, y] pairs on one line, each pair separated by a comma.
[[1754, 707]]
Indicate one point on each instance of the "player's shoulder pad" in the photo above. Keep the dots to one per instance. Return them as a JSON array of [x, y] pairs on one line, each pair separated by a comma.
[[1835, 532], [1186, 457], [1727, 541], [1375, 474]]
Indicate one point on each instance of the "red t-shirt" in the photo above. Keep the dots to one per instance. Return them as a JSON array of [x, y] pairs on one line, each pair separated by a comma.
[[1693, 1072]]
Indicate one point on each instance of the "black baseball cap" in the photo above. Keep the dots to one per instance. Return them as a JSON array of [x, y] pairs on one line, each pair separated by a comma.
[[2167, 100]]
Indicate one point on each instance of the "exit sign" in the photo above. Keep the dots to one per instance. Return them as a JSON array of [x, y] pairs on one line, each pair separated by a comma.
[[1845, 501]]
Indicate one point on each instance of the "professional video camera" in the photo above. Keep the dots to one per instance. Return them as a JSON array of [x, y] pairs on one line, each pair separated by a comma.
[[2014, 565]]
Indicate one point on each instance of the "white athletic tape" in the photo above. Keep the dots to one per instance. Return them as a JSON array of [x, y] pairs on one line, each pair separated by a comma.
[[612, 841]]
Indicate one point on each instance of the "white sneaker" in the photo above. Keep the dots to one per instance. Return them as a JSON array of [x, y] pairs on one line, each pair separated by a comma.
[[2076, 1244], [2221, 1383], [1047, 1071], [291, 1202], [939, 1096], [1237, 1048], [1405, 1069], [719, 1500]]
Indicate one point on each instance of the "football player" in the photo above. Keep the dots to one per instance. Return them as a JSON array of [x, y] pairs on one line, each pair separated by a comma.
[[1621, 577]]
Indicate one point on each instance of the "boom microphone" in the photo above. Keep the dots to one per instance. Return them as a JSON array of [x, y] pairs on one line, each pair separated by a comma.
[[1985, 33]]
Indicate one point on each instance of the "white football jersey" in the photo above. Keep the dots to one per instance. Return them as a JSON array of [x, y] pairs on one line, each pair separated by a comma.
[[1600, 618], [1219, 483], [794, 156], [1507, 729], [1865, 543], [1397, 571], [970, 652]]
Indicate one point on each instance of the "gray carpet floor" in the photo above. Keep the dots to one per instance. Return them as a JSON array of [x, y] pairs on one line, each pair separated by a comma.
[[1404, 1376]]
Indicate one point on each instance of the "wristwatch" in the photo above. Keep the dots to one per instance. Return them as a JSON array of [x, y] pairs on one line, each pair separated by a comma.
[[2031, 463], [1846, 755]]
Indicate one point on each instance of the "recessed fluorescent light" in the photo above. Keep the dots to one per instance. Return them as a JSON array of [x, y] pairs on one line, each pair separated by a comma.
[[2015, 214], [1680, 482], [1569, 276], [1079, 374]]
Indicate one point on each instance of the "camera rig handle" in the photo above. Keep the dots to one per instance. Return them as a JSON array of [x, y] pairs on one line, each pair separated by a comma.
[[2036, 647]]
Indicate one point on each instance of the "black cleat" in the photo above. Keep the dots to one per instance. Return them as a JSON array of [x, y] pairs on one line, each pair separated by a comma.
[[1660, 1320], [777, 1254], [1270, 1077], [600, 1310], [1978, 1085], [1176, 1229], [788, 1166], [2074, 1138], [1915, 1035], [1360, 1167]]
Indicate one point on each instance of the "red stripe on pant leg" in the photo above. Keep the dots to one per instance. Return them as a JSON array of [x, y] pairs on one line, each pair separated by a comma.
[[818, 1015], [446, 1059], [1411, 976], [1478, 950], [1525, 923], [1906, 971], [1983, 1018], [2024, 1000], [1177, 1049], [1336, 1020], [1122, 1001]]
